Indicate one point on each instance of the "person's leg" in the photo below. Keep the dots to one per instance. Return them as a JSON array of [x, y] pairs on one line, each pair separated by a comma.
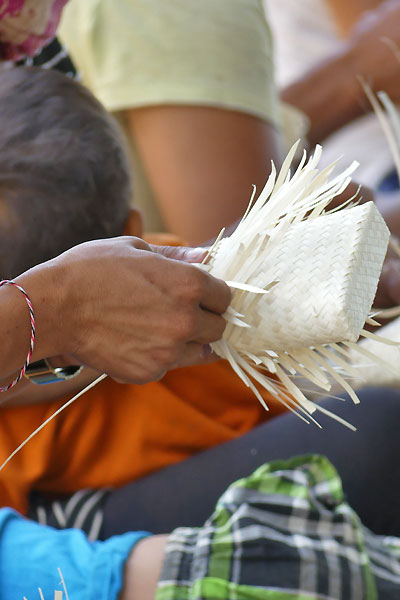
[[284, 532], [368, 462]]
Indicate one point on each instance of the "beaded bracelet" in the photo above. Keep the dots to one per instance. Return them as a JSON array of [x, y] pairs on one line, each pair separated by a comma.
[[32, 340]]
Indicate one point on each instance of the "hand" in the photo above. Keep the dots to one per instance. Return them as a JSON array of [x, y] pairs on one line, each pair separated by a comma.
[[375, 48], [388, 204], [126, 308], [388, 293]]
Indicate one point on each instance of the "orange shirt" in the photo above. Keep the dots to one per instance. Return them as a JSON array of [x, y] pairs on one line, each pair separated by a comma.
[[117, 433]]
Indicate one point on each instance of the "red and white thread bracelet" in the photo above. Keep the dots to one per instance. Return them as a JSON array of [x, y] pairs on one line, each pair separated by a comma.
[[32, 338]]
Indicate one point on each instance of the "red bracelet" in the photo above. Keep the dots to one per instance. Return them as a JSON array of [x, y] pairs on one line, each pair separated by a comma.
[[32, 342]]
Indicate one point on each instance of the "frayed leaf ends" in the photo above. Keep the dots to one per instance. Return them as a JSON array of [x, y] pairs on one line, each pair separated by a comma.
[[303, 279], [58, 594]]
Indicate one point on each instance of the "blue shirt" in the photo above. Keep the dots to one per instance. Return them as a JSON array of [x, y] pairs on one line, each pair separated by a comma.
[[31, 554]]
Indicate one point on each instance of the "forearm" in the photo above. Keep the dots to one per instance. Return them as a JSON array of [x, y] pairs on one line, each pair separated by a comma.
[[346, 13], [201, 163], [330, 95], [15, 324], [143, 568]]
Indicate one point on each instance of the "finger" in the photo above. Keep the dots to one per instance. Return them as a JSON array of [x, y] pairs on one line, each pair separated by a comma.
[[210, 327], [388, 292], [216, 296], [196, 354], [138, 243], [393, 281], [184, 254]]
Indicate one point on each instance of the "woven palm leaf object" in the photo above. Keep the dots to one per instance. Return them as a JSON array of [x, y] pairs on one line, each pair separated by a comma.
[[303, 279], [378, 364]]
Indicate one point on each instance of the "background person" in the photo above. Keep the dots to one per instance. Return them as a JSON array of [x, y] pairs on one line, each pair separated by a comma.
[[340, 42], [193, 85]]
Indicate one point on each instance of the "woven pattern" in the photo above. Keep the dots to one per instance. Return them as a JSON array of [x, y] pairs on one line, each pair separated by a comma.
[[303, 279], [326, 272], [378, 363]]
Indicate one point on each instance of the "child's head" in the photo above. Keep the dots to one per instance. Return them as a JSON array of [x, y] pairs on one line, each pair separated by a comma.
[[64, 175]]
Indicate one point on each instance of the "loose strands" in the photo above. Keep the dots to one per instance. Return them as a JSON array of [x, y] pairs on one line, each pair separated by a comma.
[[57, 412], [381, 362], [303, 278], [58, 594]]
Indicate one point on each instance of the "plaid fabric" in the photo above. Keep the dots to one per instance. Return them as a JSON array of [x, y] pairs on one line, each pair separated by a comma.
[[283, 533]]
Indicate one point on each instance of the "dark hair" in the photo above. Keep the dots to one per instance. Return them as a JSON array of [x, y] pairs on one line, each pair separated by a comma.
[[64, 175]]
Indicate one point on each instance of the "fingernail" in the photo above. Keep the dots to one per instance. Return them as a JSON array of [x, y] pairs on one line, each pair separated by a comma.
[[206, 352], [196, 254]]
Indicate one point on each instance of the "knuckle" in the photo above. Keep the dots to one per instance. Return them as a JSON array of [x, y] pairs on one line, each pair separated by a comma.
[[186, 325], [221, 325], [192, 285], [218, 329], [154, 374], [165, 357]]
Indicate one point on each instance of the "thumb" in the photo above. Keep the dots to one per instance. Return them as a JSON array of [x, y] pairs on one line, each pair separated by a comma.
[[393, 281], [189, 255]]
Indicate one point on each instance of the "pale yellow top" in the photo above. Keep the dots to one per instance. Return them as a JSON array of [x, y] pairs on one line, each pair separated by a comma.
[[135, 53]]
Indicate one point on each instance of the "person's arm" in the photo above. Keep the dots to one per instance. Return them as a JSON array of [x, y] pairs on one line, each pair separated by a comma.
[[346, 14], [118, 306], [330, 94], [143, 569], [201, 163]]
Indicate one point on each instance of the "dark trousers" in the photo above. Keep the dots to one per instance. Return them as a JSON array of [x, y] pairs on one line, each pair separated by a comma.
[[368, 462]]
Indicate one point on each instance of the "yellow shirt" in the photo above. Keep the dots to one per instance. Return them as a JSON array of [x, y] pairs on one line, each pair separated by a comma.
[[136, 53]]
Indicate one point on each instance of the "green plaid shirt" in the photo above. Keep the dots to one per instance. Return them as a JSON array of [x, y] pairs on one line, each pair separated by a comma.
[[283, 533]]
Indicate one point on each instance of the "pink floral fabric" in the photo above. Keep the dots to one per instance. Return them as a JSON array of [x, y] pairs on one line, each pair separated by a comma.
[[26, 26]]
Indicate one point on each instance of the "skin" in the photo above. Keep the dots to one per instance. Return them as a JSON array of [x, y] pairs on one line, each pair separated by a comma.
[[333, 101], [201, 163], [153, 362], [347, 14], [128, 270], [143, 568], [145, 302]]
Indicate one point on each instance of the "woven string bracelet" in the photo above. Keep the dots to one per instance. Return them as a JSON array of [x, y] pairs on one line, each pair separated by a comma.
[[32, 339]]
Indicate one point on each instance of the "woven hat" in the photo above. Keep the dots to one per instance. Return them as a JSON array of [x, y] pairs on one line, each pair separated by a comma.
[[303, 279]]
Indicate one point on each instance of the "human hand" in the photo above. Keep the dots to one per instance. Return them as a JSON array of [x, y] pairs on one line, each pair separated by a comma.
[[388, 292], [375, 48], [125, 308]]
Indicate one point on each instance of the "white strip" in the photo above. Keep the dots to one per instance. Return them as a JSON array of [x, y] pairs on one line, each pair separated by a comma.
[[86, 508], [55, 59]]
